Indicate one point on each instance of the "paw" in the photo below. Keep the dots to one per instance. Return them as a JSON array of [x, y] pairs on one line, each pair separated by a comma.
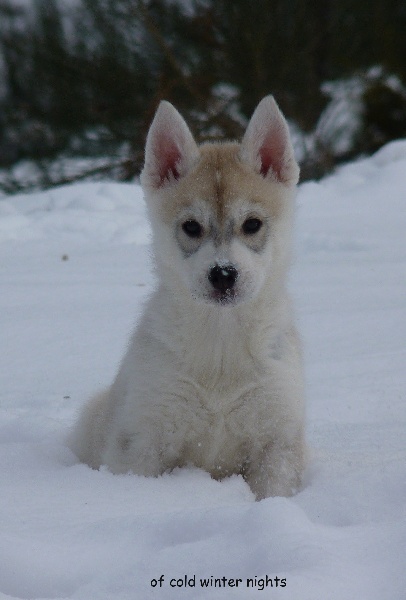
[[278, 473]]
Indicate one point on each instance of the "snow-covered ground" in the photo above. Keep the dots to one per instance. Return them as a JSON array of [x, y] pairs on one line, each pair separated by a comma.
[[74, 271]]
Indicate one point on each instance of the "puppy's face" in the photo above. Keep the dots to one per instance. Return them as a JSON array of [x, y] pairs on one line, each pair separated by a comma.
[[219, 228], [224, 261], [220, 213]]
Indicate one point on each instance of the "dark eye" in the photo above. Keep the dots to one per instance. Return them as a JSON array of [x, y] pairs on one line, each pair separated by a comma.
[[192, 228], [251, 226]]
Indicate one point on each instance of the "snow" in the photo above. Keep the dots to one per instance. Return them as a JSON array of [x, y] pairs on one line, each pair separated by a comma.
[[74, 271]]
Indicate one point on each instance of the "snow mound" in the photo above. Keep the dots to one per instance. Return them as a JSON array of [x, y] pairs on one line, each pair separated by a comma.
[[393, 152], [104, 212]]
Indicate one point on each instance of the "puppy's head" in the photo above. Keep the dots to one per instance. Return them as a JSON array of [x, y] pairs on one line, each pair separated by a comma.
[[220, 213]]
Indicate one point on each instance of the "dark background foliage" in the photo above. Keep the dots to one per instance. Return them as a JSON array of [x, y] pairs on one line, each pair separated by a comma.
[[80, 80]]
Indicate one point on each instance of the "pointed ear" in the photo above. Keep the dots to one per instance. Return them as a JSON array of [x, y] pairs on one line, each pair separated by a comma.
[[170, 150], [266, 145]]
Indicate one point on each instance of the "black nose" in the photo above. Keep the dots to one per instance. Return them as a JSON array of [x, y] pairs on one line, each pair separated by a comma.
[[223, 278]]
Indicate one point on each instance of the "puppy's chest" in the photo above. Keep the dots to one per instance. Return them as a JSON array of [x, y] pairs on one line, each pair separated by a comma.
[[224, 409], [224, 360], [226, 384], [223, 424]]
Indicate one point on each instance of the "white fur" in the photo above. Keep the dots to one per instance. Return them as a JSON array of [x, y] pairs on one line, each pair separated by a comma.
[[211, 384]]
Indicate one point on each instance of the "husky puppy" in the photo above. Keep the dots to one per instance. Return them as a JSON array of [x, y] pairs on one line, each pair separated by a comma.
[[213, 373]]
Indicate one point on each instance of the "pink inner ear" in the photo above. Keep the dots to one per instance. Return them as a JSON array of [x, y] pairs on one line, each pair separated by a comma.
[[271, 154], [168, 158]]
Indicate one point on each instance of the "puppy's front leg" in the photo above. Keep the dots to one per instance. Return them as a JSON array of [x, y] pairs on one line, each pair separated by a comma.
[[278, 469], [144, 452]]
